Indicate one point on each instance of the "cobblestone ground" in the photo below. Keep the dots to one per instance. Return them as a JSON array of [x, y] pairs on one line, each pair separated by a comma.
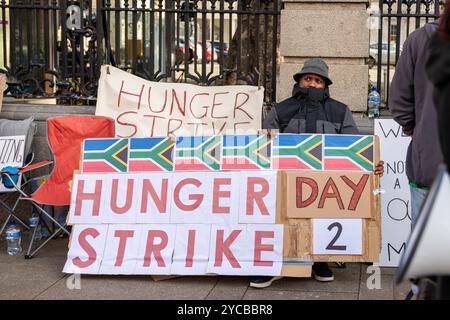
[[42, 278]]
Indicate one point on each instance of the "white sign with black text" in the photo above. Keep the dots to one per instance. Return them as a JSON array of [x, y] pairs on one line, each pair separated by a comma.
[[11, 155], [337, 236], [395, 203]]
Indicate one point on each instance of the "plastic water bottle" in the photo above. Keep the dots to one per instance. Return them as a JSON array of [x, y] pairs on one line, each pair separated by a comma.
[[33, 222], [13, 239], [373, 103]]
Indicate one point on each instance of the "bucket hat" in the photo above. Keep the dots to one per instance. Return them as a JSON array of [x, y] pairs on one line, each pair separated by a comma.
[[315, 66]]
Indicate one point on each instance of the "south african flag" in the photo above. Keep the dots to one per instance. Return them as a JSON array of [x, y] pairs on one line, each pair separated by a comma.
[[197, 153], [105, 155], [348, 152], [246, 152], [150, 154], [297, 151]]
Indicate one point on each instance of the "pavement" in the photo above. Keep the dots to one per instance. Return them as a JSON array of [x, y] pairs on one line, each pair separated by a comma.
[[41, 278]]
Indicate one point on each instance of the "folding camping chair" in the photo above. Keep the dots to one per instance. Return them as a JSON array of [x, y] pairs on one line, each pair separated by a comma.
[[21, 171], [14, 128], [65, 137]]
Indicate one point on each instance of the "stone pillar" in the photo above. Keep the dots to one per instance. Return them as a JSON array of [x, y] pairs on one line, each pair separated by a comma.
[[335, 30]]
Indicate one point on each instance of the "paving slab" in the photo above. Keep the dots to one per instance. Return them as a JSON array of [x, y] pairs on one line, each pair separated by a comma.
[[23, 289], [264, 294], [46, 265], [369, 290], [229, 288], [401, 290], [132, 287], [42, 278], [388, 270], [345, 280]]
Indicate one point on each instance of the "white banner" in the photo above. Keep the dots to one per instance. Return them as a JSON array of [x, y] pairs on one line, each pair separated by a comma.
[[143, 108], [129, 223], [12, 151], [337, 236], [11, 154], [188, 249], [396, 208], [112, 198]]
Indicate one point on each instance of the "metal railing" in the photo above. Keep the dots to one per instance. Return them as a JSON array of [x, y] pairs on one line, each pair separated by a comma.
[[55, 48], [397, 19]]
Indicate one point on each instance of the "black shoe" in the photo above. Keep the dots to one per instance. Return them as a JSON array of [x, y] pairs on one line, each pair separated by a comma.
[[340, 265], [262, 282], [322, 272]]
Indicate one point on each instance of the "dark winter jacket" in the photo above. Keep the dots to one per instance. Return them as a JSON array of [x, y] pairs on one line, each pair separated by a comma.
[[438, 69], [411, 104], [311, 111]]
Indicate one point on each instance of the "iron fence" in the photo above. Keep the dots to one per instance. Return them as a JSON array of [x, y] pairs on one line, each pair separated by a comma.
[[55, 48], [395, 20]]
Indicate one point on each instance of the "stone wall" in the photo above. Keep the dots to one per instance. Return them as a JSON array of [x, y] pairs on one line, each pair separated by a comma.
[[40, 113], [335, 30]]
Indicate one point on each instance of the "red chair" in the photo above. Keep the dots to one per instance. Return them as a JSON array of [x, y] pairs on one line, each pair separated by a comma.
[[65, 137]]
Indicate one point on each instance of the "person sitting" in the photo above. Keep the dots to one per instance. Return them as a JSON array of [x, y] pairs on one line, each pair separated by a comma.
[[311, 110]]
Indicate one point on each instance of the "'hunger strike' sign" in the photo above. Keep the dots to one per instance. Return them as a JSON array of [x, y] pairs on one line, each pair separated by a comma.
[[143, 108], [172, 223]]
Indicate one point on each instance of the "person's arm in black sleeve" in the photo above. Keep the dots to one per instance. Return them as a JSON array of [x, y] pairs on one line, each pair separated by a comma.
[[348, 124], [401, 98], [271, 121]]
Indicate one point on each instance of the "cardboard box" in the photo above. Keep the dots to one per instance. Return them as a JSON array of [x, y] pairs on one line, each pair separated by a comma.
[[296, 271], [328, 194]]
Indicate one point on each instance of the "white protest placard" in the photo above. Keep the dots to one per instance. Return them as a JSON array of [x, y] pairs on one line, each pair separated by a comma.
[[395, 202], [11, 155], [259, 190], [188, 197], [156, 203], [12, 151], [119, 199], [87, 199], [189, 189], [121, 249], [222, 203], [86, 248], [155, 249], [337, 236], [198, 234], [229, 250], [267, 244], [143, 108], [191, 253]]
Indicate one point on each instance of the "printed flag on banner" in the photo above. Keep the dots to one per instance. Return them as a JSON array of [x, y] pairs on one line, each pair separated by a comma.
[[294, 151], [246, 152], [347, 152], [105, 155], [150, 154], [197, 153]]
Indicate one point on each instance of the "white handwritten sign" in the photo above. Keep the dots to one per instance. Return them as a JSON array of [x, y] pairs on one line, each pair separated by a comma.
[[11, 155], [337, 236], [11, 151], [143, 108], [396, 208]]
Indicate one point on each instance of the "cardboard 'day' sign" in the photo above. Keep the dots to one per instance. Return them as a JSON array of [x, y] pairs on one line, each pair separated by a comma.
[[315, 194]]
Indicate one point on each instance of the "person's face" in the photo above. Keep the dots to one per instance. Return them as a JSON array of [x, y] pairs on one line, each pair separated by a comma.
[[311, 80]]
